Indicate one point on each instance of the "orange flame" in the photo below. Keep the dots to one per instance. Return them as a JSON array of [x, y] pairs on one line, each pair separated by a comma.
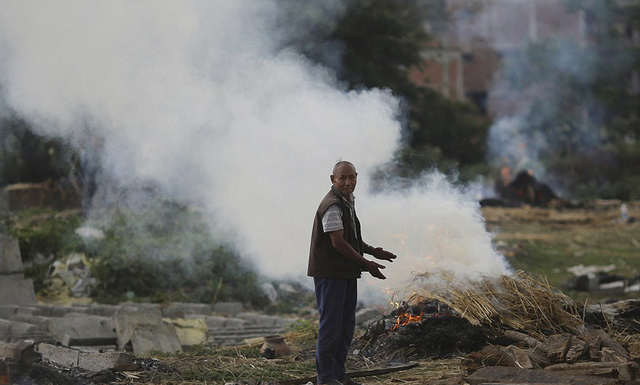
[[407, 318]]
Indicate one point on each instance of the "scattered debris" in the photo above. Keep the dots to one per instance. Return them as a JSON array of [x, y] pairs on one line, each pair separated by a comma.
[[600, 279]]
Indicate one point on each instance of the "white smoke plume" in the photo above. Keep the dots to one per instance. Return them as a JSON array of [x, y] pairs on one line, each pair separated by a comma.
[[198, 98]]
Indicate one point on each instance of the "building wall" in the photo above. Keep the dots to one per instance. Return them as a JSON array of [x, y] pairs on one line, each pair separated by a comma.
[[466, 58]]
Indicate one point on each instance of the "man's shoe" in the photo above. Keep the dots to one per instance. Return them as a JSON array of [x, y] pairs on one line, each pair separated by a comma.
[[350, 382]]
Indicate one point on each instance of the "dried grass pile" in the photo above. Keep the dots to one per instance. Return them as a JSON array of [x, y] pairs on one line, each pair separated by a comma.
[[509, 302]]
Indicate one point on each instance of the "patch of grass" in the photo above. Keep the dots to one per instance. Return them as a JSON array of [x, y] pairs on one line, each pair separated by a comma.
[[549, 241]]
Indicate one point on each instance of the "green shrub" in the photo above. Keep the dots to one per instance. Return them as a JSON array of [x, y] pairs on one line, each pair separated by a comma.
[[164, 252]]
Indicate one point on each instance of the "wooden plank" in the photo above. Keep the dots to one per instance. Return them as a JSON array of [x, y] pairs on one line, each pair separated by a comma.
[[624, 371], [506, 375], [373, 372]]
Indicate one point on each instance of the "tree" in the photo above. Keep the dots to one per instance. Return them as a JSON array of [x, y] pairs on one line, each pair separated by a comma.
[[582, 104], [28, 157], [375, 44]]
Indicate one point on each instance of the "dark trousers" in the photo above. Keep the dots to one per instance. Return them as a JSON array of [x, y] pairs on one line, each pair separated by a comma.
[[337, 306]]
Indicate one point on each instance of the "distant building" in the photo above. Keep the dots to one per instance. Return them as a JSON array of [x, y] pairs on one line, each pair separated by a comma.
[[467, 55]]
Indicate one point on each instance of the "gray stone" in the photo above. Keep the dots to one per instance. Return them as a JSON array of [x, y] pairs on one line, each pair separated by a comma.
[[96, 361], [60, 311], [266, 320], [181, 309], [45, 310], [15, 289], [146, 331], [103, 310], [140, 306], [211, 321], [5, 329], [28, 311], [227, 308], [15, 330], [41, 323], [59, 355], [10, 260], [285, 322], [8, 311], [83, 330], [235, 323], [250, 317], [86, 359]]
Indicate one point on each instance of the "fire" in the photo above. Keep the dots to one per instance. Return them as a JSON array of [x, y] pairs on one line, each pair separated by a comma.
[[407, 314], [505, 175], [406, 318]]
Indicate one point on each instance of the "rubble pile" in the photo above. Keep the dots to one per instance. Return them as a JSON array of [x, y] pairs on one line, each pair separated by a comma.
[[515, 329], [94, 337], [600, 279]]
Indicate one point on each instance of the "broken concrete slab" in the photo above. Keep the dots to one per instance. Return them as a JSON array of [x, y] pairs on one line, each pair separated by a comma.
[[146, 331], [190, 332], [83, 330], [97, 361], [59, 354], [88, 360], [16, 290]]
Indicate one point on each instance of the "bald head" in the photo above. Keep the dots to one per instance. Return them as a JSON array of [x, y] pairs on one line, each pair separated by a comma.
[[341, 164]]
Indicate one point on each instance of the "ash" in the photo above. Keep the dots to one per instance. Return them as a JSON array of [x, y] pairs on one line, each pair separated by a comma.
[[436, 335], [44, 372]]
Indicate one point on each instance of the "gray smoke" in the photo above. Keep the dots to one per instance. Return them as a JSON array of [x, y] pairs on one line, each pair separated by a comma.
[[200, 99], [541, 97]]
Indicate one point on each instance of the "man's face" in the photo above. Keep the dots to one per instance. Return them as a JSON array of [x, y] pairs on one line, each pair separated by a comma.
[[345, 179]]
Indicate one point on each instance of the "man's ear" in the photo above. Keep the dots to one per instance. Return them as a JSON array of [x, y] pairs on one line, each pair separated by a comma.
[[331, 177]]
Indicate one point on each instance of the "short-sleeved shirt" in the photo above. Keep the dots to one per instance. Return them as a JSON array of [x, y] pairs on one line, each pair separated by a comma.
[[332, 218]]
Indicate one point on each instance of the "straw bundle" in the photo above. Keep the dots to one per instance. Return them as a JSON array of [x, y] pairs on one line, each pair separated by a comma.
[[517, 302]]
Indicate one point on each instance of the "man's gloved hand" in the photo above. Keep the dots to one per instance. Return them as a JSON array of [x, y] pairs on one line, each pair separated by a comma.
[[381, 253], [374, 269]]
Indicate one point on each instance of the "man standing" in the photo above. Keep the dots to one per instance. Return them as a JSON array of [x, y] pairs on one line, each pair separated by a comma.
[[335, 263]]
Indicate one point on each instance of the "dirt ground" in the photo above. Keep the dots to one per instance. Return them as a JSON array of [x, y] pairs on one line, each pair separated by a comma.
[[544, 241]]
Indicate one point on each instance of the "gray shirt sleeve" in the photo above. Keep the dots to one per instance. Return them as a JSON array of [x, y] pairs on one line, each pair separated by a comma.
[[332, 219]]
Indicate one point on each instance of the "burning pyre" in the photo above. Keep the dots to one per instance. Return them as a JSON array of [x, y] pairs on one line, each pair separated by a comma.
[[448, 318], [427, 329]]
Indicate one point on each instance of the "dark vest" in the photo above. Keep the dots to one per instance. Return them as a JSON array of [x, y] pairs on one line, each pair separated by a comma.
[[324, 260]]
